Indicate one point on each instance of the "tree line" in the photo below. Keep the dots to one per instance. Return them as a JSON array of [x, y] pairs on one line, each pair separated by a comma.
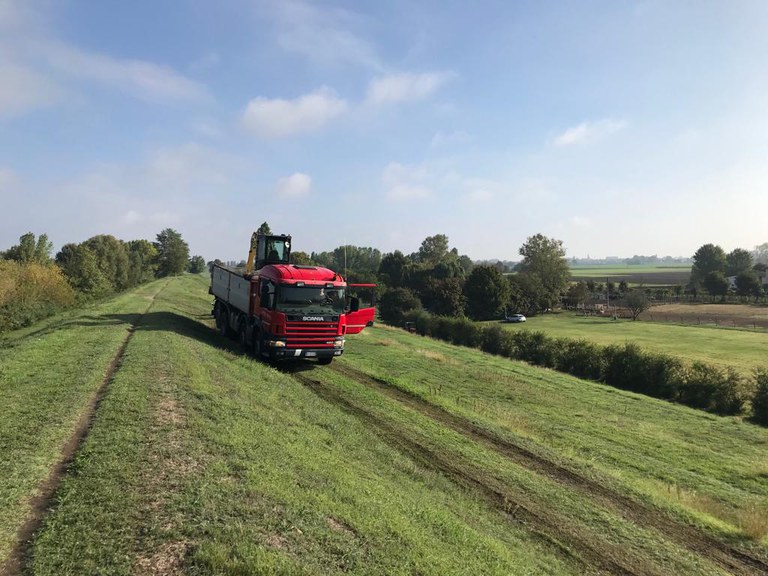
[[34, 283], [712, 270]]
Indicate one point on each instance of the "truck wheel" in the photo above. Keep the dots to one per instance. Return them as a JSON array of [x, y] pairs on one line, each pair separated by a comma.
[[221, 320], [325, 361], [243, 336], [257, 344]]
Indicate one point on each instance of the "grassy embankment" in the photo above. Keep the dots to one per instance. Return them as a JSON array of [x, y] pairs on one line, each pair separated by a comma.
[[742, 349], [203, 460]]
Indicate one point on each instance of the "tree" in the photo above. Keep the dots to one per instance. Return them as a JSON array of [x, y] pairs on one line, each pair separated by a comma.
[[30, 251], [172, 253], [761, 253], [300, 258], [111, 258], [433, 249], [142, 261], [716, 284], [737, 261], [544, 260], [708, 258], [487, 292], [196, 265], [637, 302], [623, 287], [397, 302], [747, 284], [392, 269], [80, 266], [264, 229], [576, 295], [445, 296]]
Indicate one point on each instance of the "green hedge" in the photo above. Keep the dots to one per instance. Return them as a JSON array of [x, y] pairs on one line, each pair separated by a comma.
[[627, 366]]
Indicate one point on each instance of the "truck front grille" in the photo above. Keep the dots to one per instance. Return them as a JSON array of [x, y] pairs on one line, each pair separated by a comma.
[[310, 334]]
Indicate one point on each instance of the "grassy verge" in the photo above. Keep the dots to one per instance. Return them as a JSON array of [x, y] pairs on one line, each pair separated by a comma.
[[48, 375], [742, 349], [204, 461], [710, 470]]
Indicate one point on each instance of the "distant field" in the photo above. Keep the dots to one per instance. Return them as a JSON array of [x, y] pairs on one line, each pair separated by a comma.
[[650, 275], [743, 349]]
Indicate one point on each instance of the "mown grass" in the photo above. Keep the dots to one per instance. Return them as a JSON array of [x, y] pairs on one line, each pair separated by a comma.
[[205, 461], [745, 350], [707, 469], [48, 374]]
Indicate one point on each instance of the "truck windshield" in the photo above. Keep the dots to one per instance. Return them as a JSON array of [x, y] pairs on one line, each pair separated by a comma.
[[310, 300]]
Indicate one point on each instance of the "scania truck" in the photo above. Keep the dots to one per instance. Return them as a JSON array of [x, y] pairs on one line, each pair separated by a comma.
[[280, 310]]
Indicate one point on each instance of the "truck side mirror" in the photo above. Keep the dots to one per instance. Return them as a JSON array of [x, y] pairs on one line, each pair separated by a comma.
[[354, 304]]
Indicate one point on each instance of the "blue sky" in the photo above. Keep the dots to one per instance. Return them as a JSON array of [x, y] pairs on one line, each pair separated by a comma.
[[619, 127]]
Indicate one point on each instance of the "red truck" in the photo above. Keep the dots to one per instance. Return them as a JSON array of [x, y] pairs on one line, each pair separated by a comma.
[[281, 310]]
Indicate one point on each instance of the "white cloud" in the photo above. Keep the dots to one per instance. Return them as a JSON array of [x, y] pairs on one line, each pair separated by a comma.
[[588, 132], [323, 35], [296, 185], [278, 117], [405, 86], [139, 78], [406, 182], [23, 89]]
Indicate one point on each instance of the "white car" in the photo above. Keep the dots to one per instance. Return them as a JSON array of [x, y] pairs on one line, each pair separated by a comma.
[[515, 318]]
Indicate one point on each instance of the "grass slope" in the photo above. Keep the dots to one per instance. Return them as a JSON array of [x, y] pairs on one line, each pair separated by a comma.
[[407, 456], [48, 375], [742, 349], [204, 461], [712, 470]]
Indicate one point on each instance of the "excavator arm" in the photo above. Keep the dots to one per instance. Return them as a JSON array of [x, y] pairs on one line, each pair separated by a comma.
[[252, 253]]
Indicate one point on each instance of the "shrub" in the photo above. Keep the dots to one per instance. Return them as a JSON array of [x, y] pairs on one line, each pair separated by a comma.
[[535, 347], [665, 376], [625, 367], [714, 389], [580, 358], [29, 292], [464, 332], [760, 399], [496, 340], [442, 328], [396, 303]]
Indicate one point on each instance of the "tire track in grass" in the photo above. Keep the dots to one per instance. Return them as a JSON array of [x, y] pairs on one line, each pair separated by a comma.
[[596, 558], [41, 504], [719, 553]]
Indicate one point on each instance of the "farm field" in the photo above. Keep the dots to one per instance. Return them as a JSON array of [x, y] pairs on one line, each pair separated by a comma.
[[742, 349], [405, 456], [648, 275]]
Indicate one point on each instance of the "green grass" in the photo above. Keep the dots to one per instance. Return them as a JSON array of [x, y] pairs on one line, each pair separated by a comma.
[[201, 460], [709, 467], [206, 460], [48, 374], [745, 350]]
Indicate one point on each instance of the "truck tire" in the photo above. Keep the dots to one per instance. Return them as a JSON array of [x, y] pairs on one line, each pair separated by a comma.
[[221, 320], [257, 344], [242, 335]]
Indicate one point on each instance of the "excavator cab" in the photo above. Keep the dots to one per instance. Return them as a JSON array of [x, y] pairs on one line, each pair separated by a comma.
[[268, 249]]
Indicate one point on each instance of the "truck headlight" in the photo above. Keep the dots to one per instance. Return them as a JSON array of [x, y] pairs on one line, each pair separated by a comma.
[[276, 343]]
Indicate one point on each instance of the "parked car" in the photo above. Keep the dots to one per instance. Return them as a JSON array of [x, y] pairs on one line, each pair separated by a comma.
[[514, 318]]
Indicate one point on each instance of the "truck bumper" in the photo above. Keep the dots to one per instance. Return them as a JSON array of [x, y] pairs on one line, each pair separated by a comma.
[[278, 353]]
